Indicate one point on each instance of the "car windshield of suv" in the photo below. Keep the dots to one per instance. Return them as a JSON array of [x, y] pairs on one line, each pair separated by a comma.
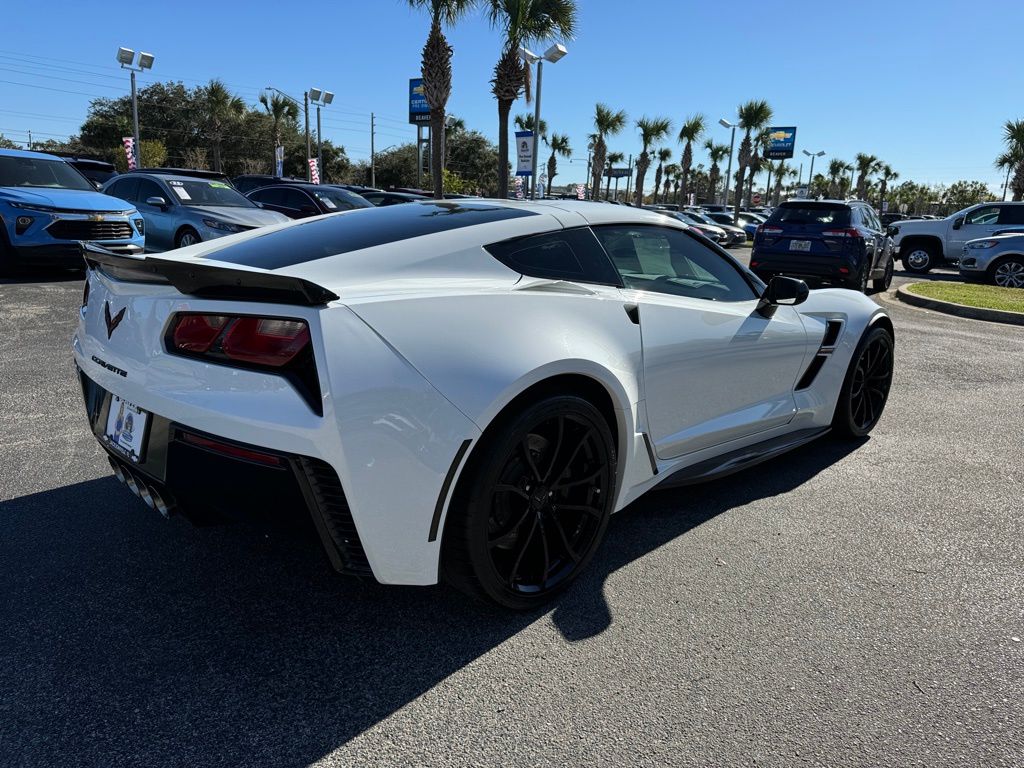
[[812, 214], [39, 172], [341, 199], [203, 192]]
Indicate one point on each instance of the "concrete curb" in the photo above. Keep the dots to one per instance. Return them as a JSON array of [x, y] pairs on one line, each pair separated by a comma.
[[974, 313]]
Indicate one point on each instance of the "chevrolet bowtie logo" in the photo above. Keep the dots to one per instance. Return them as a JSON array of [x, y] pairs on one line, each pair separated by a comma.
[[112, 322]]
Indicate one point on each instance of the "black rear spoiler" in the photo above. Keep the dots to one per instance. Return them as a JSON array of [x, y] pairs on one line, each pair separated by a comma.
[[208, 282]]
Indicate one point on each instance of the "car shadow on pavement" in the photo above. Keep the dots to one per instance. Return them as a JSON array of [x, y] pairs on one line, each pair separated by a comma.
[[128, 639]]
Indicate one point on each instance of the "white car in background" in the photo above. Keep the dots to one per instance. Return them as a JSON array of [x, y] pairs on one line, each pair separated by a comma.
[[461, 390], [927, 243]]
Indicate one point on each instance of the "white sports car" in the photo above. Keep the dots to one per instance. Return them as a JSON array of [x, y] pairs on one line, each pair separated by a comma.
[[461, 390]]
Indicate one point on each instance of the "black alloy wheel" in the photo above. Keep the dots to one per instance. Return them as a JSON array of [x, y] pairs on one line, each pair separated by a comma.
[[536, 505], [866, 388]]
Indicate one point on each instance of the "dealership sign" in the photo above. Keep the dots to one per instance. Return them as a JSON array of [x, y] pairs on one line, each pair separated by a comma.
[[419, 110], [781, 143], [524, 153]]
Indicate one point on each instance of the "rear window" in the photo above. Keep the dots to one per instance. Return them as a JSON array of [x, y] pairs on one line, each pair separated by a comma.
[[812, 215]]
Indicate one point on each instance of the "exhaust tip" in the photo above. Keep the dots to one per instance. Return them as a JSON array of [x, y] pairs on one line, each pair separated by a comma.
[[118, 472], [132, 484], [146, 495], [160, 505]]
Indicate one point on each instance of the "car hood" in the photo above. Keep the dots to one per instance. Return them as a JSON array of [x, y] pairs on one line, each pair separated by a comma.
[[65, 199], [246, 217]]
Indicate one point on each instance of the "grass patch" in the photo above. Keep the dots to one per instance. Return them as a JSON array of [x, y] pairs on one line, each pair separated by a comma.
[[972, 295]]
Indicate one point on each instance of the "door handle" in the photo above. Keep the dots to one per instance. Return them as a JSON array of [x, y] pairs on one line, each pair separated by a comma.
[[633, 312]]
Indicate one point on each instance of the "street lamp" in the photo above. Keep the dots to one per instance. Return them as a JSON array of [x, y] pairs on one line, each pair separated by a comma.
[[810, 176], [732, 143], [305, 110], [553, 54], [321, 99], [126, 58]]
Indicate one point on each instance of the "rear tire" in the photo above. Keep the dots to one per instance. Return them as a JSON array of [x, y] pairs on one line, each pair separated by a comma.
[[1007, 272], [866, 388], [919, 259], [882, 284], [533, 505]]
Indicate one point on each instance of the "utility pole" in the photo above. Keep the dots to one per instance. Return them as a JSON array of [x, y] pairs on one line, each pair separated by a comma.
[[30, 147], [373, 165], [309, 154], [629, 182], [319, 147]]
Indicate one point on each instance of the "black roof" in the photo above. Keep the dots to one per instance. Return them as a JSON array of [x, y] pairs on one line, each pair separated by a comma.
[[183, 172], [270, 179]]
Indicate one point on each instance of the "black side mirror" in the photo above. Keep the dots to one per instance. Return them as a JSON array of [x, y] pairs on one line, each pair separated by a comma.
[[891, 230], [782, 291], [958, 222]]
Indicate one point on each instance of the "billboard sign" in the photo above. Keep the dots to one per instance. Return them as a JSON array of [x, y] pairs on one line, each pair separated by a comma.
[[419, 110], [617, 173], [781, 143], [524, 153]]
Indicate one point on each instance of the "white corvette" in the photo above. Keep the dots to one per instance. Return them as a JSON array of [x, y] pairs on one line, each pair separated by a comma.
[[461, 390]]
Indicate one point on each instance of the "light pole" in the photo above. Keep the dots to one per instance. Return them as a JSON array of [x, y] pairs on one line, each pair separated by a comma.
[[552, 54], [321, 99], [732, 144], [305, 110], [126, 58], [810, 175]]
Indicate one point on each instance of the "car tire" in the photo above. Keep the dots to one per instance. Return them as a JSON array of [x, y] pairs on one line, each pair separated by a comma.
[[533, 504], [882, 284], [1007, 272], [865, 389], [919, 259], [186, 237]]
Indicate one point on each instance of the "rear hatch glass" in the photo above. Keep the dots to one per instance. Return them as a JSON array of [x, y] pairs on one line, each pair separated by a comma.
[[810, 228]]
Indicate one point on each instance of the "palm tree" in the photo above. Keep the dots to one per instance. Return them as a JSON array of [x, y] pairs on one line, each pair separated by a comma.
[[866, 165], [521, 22], [280, 109], [717, 153], [691, 131], [1013, 136], [836, 167], [888, 174], [220, 107], [436, 71], [613, 158], [664, 155], [782, 172], [1008, 162], [559, 144], [757, 163], [606, 123], [525, 123], [754, 118], [652, 129], [671, 178]]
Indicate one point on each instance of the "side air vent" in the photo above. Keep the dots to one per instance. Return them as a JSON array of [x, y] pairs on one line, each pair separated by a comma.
[[812, 370], [828, 344], [833, 327], [333, 506]]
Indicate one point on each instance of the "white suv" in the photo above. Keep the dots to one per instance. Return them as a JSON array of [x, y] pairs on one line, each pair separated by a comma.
[[927, 243]]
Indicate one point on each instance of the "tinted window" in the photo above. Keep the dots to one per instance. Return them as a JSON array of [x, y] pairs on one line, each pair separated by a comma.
[[270, 196], [812, 214], [40, 172], [125, 189], [987, 214], [571, 254], [671, 261], [337, 199], [1011, 214], [149, 188], [322, 237], [295, 199]]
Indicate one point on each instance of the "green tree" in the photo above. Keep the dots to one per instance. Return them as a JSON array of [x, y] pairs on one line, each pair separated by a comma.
[[782, 172], [664, 155], [607, 122], [280, 109], [559, 145], [6, 143], [888, 176], [961, 194], [754, 118], [717, 153], [521, 22], [220, 110], [525, 123], [866, 165], [1013, 158], [652, 130], [692, 129], [613, 159], [152, 154]]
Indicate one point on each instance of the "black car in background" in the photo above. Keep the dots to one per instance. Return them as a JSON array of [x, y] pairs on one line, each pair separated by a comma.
[[248, 182], [825, 242], [381, 198], [95, 169], [298, 201]]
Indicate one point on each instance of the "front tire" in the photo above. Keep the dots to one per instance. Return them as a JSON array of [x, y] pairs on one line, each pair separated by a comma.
[[919, 259], [186, 237], [882, 284], [866, 388], [1008, 272], [533, 506]]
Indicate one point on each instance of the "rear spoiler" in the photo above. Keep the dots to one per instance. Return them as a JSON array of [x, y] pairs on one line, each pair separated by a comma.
[[208, 282]]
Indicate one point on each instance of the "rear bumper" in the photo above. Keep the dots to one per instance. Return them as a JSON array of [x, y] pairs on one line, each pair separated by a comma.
[[819, 270]]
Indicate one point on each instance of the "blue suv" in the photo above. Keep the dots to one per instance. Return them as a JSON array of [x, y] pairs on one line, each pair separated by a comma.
[[47, 208]]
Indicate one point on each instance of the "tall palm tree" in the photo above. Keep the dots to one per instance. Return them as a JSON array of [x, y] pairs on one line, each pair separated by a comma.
[[836, 168], [866, 165], [220, 107], [280, 109], [606, 123], [717, 153], [521, 22], [436, 71], [671, 178], [1013, 136], [613, 158], [1008, 162], [888, 174], [664, 155], [652, 130], [757, 163], [782, 172], [692, 129], [754, 118], [559, 144], [525, 123]]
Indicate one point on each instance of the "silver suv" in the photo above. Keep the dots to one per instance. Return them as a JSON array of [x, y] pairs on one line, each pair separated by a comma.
[[998, 259]]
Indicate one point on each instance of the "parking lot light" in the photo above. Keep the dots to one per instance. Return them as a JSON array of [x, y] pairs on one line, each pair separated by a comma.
[[553, 54], [126, 58], [321, 99], [810, 176], [732, 144]]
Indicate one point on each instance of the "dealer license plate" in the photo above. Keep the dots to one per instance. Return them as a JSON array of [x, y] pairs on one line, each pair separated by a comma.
[[799, 245], [126, 428]]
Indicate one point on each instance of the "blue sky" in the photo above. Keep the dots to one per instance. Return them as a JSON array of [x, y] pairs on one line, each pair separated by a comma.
[[924, 85]]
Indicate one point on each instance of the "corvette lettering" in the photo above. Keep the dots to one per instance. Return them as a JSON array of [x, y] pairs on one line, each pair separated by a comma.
[[109, 367]]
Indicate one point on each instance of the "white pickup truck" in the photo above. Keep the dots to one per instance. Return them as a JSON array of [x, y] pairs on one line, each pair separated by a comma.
[[927, 243]]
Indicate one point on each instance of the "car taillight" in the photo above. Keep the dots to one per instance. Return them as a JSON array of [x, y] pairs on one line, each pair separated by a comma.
[[271, 342], [196, 333], [764, 229], [849, 232]]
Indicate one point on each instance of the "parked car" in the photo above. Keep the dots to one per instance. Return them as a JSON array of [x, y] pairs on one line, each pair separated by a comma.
[[710, 231], [48, 208], [828, 242], [748, 222], [889, 219], [183, 207], [927, 243], [379, 198], [95, 169], [248, 182], [393, 374], [298, 201], [998, 259], [736, 235], [715, 208]]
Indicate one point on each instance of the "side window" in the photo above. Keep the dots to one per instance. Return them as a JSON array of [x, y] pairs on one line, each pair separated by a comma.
[[270, 196], [570, 254], [148, 189], [293, 198], [1011, 214], [987, 214], [665, 260], [125, 189]]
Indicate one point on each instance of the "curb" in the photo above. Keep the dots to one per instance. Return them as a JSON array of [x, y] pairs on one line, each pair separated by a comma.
[[960, 310]]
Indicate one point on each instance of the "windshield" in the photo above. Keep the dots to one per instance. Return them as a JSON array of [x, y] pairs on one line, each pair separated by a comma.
[[203, 192], [40, 172], [700, 218], [341, 199]]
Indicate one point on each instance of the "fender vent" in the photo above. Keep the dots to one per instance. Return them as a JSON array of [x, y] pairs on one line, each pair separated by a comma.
[[828, 344], [333, 507], [812, 370]]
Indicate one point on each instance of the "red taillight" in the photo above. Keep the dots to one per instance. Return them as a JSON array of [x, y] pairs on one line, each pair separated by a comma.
[[844, 270], [764, 229], [228, 449], [753, 264], [850, 232], [265, 341], [196, 333]]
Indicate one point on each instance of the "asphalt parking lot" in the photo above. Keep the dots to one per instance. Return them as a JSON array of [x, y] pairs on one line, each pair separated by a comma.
[[854, 605]]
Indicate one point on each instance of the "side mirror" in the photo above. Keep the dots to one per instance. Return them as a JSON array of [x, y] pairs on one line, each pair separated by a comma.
[[782, 291], [891, 230], [159, 202], [958, 222], [97, 184]]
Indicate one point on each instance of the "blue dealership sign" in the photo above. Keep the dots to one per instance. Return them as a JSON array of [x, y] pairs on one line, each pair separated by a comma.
[[419, 110], [781, 143]]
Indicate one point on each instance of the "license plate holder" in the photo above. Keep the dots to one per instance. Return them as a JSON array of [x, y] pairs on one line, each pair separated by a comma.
[[126, 427], [800, 245]]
